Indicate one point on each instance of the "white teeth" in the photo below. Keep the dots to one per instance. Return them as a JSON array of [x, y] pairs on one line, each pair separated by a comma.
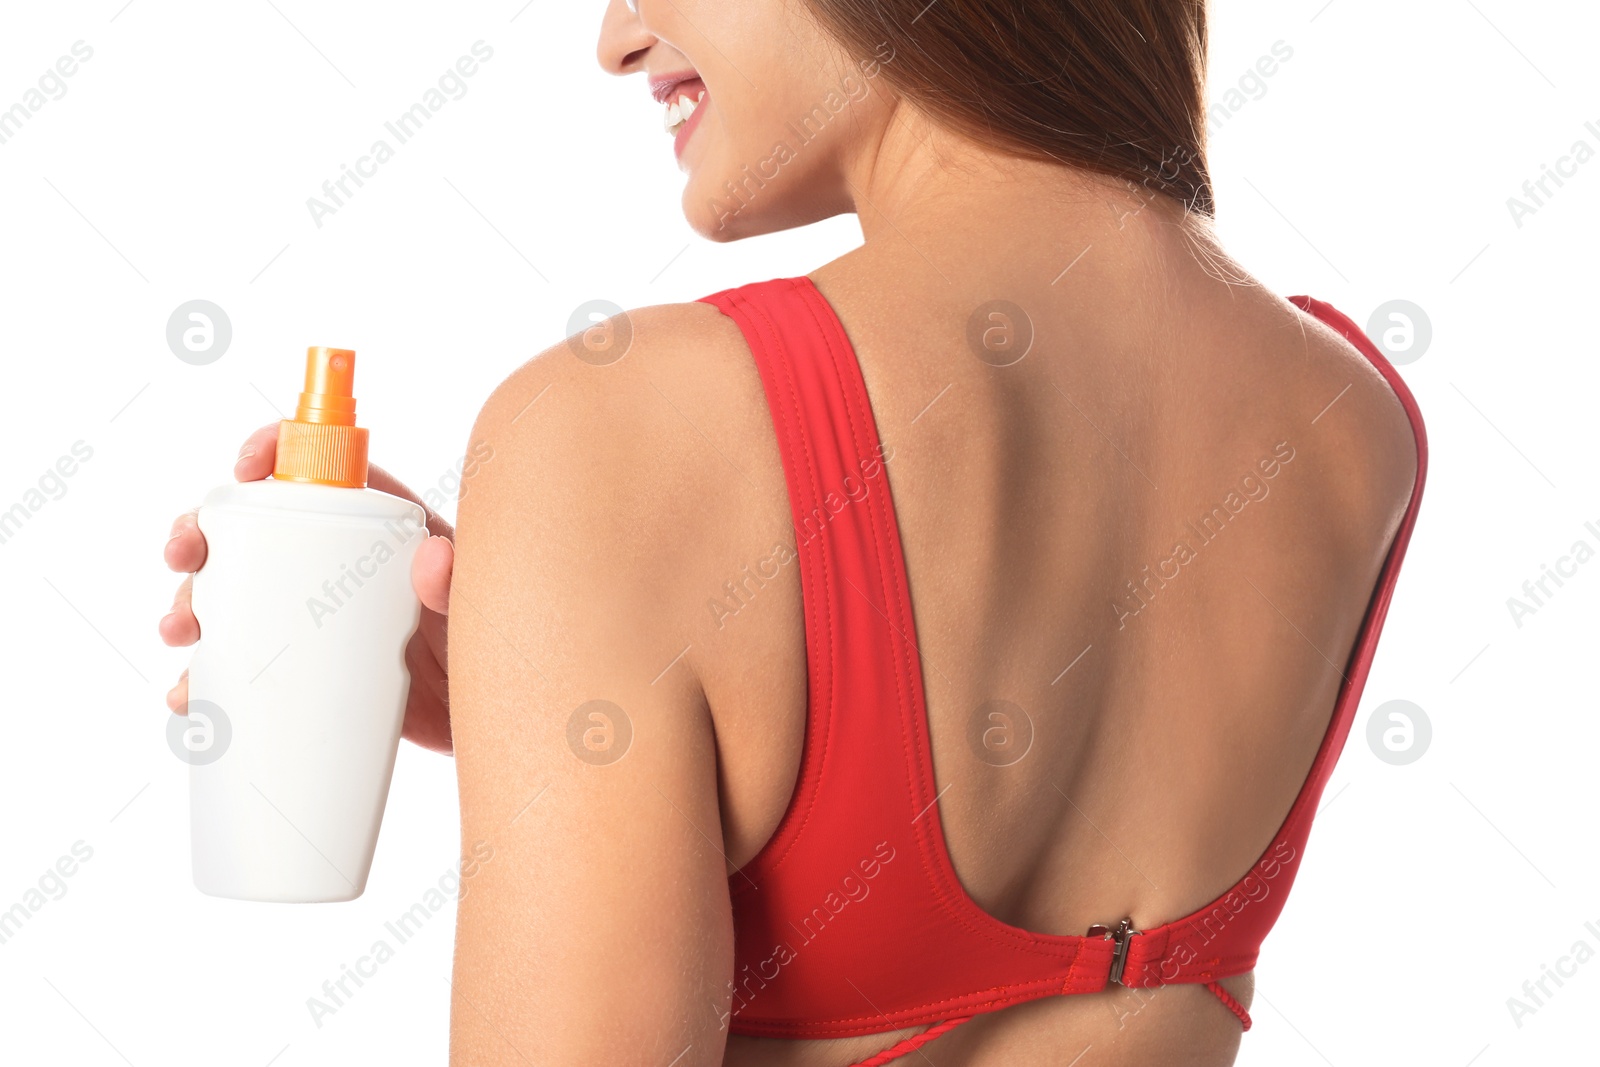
[[681, 110]]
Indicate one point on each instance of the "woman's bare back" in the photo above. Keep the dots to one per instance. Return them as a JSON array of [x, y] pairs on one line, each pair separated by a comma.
[[1152, 540]]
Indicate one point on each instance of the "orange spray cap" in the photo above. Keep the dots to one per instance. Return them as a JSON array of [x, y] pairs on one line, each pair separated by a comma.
[[322, 443]]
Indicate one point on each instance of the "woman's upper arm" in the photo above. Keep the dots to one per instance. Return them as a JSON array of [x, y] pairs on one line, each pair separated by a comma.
[[598, 930]]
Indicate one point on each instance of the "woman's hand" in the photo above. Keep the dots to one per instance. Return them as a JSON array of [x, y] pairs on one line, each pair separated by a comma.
[[428, 704]]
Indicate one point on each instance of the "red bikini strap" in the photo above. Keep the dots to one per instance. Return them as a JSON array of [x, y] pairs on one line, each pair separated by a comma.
[[911, 1044], [1232, 1005]]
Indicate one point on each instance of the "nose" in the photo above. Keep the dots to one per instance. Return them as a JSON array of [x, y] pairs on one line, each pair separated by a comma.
[[624, 41]]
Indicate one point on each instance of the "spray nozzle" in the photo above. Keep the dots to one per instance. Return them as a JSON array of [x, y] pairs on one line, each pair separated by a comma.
[[330, 381], [322, 443]]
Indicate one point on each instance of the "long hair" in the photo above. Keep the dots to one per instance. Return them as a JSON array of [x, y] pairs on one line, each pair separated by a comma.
[[1112, 86]]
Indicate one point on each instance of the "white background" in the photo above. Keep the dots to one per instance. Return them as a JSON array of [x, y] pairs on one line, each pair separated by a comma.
[[1376, 165]]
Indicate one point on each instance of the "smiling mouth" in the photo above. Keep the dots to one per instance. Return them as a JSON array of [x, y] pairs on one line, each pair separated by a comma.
[[682, 100]]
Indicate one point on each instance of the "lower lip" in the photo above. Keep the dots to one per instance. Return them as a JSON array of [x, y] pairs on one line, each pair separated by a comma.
[[681, 138]]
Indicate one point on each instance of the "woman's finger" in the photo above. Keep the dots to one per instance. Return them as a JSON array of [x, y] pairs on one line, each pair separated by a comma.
[[186, 547], [430, 573], [186, 551], [259, 454], [178, 695], [179, 626]]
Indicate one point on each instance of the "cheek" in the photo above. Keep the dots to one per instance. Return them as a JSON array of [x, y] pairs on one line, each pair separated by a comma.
[[745, 125], [737, 165], [749, 185], [765, 155]]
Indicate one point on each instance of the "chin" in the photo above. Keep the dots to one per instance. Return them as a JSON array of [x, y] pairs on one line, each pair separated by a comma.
[[716, 207], [720, 214], [700, 211]]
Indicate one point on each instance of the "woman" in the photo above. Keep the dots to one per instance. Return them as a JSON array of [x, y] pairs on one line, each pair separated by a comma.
[[945, 649]]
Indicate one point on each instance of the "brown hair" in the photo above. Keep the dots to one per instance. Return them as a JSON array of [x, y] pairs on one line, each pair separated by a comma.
[[1112, 86]]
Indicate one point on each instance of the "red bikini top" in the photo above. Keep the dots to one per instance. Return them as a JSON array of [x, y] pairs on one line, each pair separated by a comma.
[[851, 920]]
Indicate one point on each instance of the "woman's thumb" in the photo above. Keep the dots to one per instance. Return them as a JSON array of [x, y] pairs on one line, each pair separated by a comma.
[[430, 573]]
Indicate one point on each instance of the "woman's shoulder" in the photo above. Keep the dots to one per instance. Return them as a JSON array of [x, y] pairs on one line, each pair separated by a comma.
[[621, 371], [627, 344], [1379, 431], [645, 437]]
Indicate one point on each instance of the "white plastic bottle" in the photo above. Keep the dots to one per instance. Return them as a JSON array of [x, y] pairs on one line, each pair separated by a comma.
[[299, 680]]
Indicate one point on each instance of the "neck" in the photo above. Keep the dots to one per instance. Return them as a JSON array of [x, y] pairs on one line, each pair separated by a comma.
[[938, 202]]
